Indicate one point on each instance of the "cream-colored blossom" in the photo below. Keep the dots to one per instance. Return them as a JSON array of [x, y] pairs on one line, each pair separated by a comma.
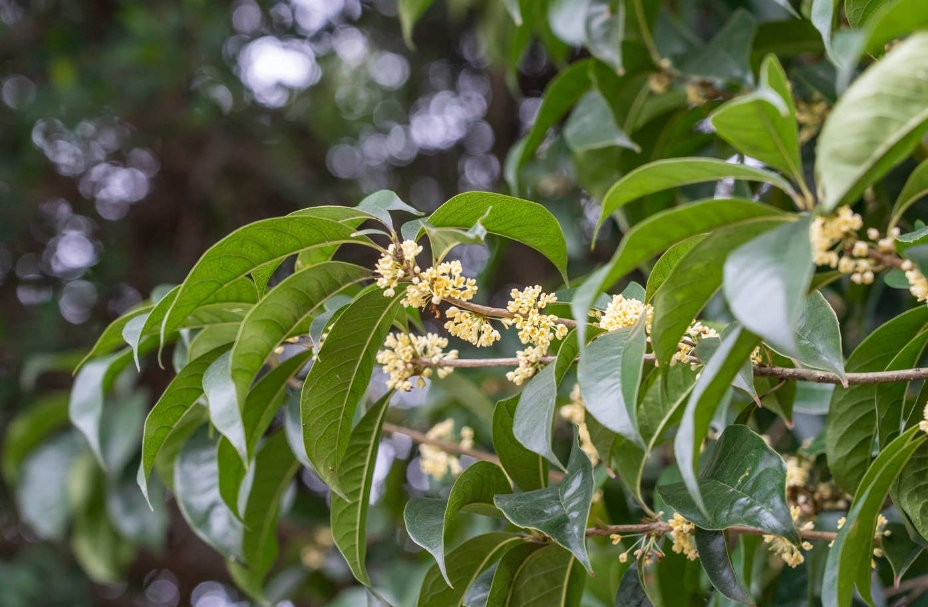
[[435, 284], [396, 264], [695, 332], [786, 550], [923, 424], [471, 327], [536, 330], [437, 463], [400, 355], [624, 312], [575, 413], [918, 284], [797, 471], [683, 534]]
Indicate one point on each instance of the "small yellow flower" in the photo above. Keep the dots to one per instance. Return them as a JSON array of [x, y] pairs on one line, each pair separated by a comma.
[[439, 283], [403, 349], [797, 471], [536, 330], [616, 538], [622, 312], [436, 463], [923, 424], [471, 327], [791, 554], [575, 413], [683, 534], [397, 264]]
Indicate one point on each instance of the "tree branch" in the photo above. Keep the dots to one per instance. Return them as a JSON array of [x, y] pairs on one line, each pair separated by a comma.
[[499, 312], [785, 373], [662, 527]]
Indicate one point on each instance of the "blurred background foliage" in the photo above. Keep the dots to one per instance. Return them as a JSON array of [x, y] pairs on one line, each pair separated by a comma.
[[134, 135]]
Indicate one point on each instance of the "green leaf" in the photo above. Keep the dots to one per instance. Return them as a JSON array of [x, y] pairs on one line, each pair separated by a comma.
[[713, 555], [521, 220], [131, 515], [860, 142], [275, 468], [111, 338], [695, 279], [899, 547], [85, 408], [559, 512], [224, 412], [609, 373], [857, 11], [339, 378], [42, 487], [849, 558], [285, 311], [766, 281], [851, 423], [703, 402], [762, 124], [631, 593], [822, 16], [30, 428], [232, 474], [209, 339], [464, 564], [742, 482], [890, 398], [249, 248], [380, 203], [97, 546], [911, 490], [675, 172], [818, 336], [427, 519], [527, 469], [196, 485], [604, 29], [534, 414], [563, 93], [166, 417], [727, 55], [660, 409], [592, 126], [915, 188], [548, 578], [666, 263], [267, 395], [349, 517], [655, 234], [410, 12], [507, 569]]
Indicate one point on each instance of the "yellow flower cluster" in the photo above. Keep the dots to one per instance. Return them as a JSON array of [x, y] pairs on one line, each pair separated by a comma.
[[623, 312], [852, 254], [918, 284], [471, 327], [683, 534], [811, 115], [402, 350], [536, 330], [694, 332], [437, 283], [436, 463], [797, 471], [398, 263], [790, 553], [923, 424], [575, 413]]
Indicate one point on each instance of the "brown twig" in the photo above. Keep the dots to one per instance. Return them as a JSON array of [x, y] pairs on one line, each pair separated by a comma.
[[662, 527], [499, 312], [784, 373]]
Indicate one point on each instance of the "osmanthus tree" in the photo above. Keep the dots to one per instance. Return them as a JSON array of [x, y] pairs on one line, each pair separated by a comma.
[[686, 478]]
